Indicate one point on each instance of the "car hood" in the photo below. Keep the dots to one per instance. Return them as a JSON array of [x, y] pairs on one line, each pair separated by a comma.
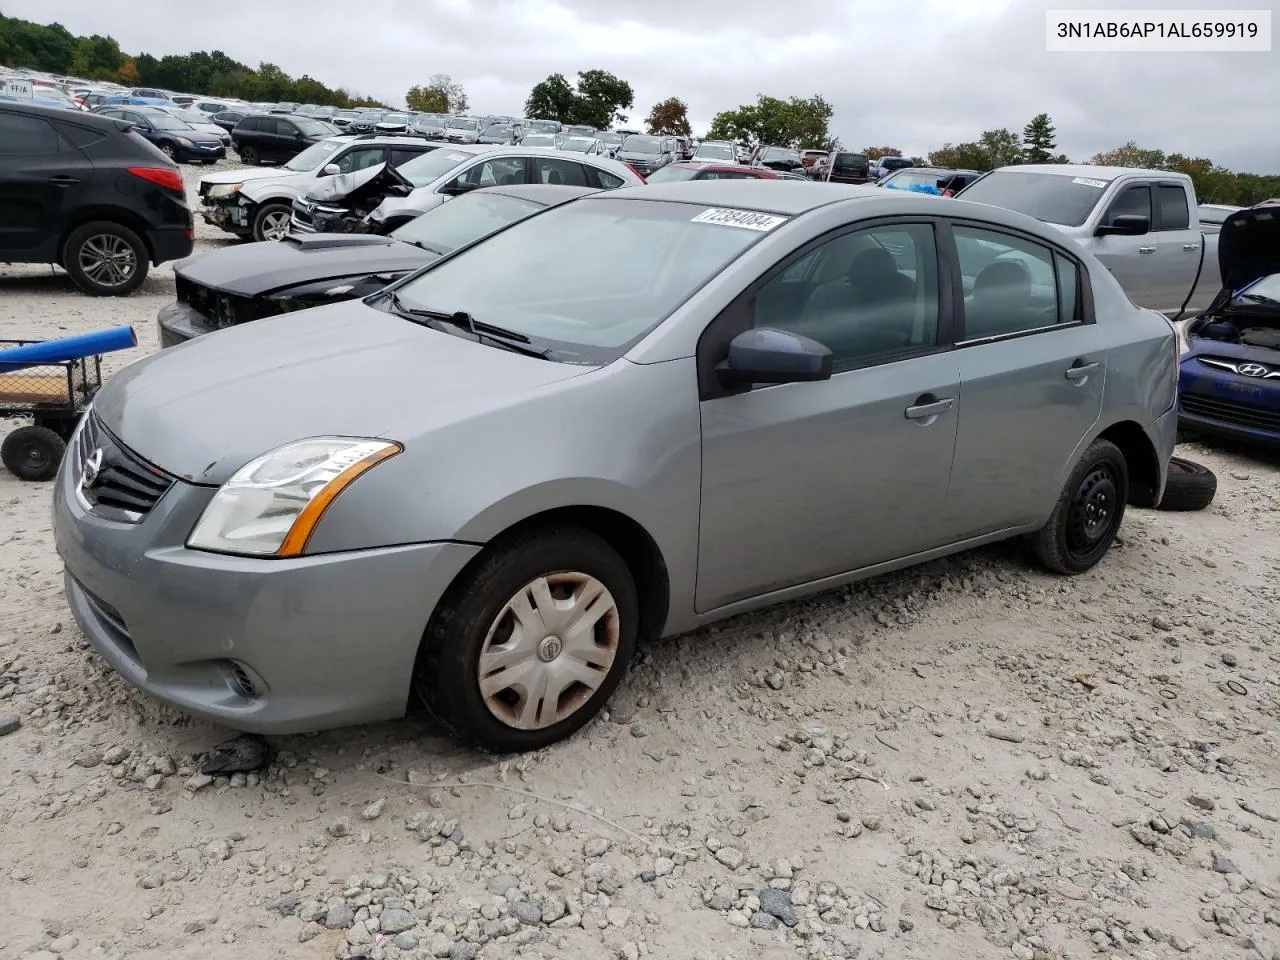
[[1248, 249], [195, 410], [254, 269], [249, 175], [630, 156], [352, 188], [415, 204]]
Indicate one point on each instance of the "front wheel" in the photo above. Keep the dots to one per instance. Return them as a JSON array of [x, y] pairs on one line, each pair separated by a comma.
[[1087, 516], [168, 150], [531, 642], [271, 222]]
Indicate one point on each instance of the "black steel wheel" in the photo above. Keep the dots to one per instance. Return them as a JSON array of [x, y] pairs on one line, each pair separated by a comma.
[[33, 453], [1088, 514]]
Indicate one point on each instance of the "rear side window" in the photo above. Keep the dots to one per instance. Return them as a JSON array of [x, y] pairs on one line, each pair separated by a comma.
[[27, 136], [285, 128], [1175, 213], [250, 124], [603, 179], [401, 155], [80, 136]]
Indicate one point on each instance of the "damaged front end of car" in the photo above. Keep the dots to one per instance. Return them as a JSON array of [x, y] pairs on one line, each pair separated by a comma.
[[342, 203]]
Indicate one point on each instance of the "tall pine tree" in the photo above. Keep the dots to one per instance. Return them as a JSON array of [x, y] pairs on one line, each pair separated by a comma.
[[1038, 140]]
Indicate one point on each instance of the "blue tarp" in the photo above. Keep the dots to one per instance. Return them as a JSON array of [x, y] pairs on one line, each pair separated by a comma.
[[918, 188]]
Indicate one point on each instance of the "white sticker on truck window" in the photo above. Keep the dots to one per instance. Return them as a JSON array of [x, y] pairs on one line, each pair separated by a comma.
[[1086, 182], [746, 219]]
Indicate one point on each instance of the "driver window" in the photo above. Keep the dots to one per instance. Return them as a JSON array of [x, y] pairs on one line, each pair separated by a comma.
[[867, 295], [494, 173], [360, 159], [1132, 202]]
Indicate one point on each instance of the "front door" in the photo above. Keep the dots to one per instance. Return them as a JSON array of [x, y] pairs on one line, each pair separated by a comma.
[[1131, 260], [805, 481], [41, 178], [1032, 370]]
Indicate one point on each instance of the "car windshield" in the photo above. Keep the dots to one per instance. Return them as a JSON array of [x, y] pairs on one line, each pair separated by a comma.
[[1266, 291], [917, 178], [1051, 197], [544, 126], [780, 153], [461, 123], [586, 279], [498, 130], [166, 121], [463, 219], [610, 138], [713, 151], [312, 128], [431, 166], [190, 116], [642, 145], [345, 115], [673, 174], [314, 156], [539, 140], [578, 144]]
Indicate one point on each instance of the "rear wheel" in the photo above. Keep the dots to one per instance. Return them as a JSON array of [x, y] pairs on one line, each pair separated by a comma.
[[105, 259], [531, 642], [33, 453], [1087, 516], [271, 222]]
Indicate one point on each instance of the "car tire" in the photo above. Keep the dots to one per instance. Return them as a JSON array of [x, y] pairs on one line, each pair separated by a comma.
[[105, 259], [463, 646], [248, 155], [168, 150], [271, 221], [1190, 486], [33, 453], [1088, 514]]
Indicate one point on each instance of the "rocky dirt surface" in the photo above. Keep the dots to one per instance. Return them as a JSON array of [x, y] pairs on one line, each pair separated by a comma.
[[970, 759]]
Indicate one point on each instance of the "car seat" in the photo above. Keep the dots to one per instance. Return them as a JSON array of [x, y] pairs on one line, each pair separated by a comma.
[[1001, 300], [555, 177], [869, 313]]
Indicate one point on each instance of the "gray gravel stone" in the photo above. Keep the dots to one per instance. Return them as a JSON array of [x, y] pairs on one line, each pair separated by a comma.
[[764, 921], [406, 941], [396, 920], [339, 917], [731, 857], [527, 912], [9, 723], [1223, 865], [777, 903]]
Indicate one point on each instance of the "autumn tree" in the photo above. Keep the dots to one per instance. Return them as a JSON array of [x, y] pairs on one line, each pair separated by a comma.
[[879, 153], [1130, 155], [1038, 139], [441, 94], [596, 101], [128, 74], [670, 117], [799, 122]]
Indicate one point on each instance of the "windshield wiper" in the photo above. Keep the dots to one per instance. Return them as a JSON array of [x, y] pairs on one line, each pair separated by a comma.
[[1257, 298], [501, 336]]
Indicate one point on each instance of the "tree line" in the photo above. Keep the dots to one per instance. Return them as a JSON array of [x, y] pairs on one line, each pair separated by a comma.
[[596, 98]]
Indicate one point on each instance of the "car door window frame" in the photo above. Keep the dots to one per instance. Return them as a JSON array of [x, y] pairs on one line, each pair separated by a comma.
[[1084, 306], [536, 172], [1146, 185], [738, 315], [20, 118], [1157, 207]]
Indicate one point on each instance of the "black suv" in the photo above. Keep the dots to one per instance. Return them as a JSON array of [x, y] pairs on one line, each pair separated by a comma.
[[267, 138], [89, 194], [847, 166]]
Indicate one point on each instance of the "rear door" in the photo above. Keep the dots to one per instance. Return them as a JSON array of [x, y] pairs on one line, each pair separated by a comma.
[[288, 140], [42, 177], [1180, 242], [1032, 368], [555, 170]]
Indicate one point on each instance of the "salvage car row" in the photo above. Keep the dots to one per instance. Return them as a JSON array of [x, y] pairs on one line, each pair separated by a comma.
[[709, 342]]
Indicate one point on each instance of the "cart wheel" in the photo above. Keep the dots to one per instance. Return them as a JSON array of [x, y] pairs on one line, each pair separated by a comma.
[[33, 453]]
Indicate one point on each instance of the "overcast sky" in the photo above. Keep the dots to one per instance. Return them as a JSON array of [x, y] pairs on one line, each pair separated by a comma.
[[913, 75]]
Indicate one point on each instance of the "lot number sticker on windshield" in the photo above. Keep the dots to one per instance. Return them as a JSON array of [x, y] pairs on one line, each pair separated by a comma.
[[739, 218], [1086, 182]]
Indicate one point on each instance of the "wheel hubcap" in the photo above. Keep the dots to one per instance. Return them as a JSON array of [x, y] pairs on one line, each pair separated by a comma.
[[107, 260], [549, 650], [275, 226], [1093, 510]]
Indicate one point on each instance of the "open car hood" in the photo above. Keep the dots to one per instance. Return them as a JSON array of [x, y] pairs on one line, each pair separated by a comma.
[[382, 180], [1248, 248]]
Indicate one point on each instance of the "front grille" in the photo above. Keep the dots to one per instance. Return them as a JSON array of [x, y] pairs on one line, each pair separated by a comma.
[[220, 309], [113, 480], [1230, 411]]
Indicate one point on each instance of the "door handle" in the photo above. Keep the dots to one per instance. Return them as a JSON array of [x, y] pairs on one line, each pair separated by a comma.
[[63, 181], [926, 407], [1080, 370], [1146, 249], [1191, 246]]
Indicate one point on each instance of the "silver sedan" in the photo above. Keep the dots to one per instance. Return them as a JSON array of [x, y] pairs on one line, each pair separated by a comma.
[[625, 417]]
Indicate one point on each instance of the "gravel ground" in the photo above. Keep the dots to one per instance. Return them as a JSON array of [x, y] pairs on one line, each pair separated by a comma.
[[970, 759]]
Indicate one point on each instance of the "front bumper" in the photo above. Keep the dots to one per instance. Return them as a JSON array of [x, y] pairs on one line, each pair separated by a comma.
[[199, 151], [178, 323], [228, 214], [260, 645], [1228, 405]]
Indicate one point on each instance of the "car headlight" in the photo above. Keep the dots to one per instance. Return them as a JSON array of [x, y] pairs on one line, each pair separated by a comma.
[[271, 505], [223, 190], [184, 141]]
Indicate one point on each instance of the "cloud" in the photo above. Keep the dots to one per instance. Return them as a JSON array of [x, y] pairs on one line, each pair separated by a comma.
[[914, 76]]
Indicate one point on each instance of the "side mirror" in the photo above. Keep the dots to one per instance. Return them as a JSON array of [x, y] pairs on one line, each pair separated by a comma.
[[454, 189], [768, 355], [331, 170], [1126, 225]]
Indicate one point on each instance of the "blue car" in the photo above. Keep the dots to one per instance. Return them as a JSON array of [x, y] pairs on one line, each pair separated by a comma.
[[1229, 370]]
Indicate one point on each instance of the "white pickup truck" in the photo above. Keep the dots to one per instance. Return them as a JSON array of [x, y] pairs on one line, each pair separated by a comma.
[[1142, 224]]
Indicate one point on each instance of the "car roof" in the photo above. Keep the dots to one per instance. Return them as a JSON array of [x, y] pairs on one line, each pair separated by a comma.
[[773, 195], [715, 167], [548, 194], [81, 117], [1089, 170]]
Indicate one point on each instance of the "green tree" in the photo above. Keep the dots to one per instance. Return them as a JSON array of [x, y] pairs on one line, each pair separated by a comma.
[[441, 94], [879, 153], [797, 122], [1130, 155], [670, 117], [552, 99], [1002, 147], [960, 156], [1038, 139]]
